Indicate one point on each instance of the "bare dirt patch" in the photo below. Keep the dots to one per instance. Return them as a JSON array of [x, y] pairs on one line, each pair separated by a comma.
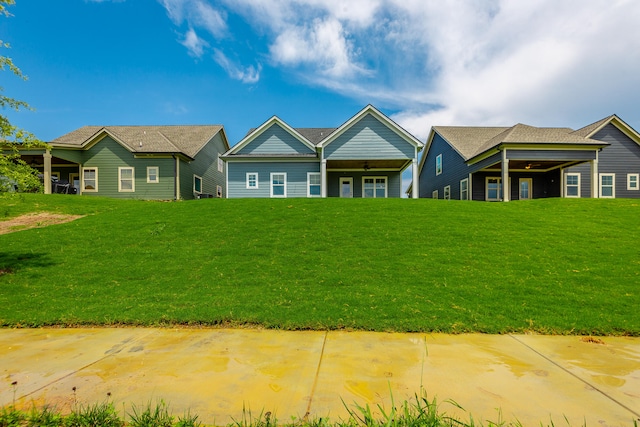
[[34, 220]]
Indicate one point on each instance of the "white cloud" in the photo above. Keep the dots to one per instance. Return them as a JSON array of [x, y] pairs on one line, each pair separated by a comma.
[[194, 44], [248, 74], [197, 13]]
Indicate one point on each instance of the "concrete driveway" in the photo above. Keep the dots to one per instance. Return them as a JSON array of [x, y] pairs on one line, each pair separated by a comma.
[[215, 373]]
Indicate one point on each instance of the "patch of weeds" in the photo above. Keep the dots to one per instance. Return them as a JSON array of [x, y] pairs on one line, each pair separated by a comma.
[[157, 416], [11, 417], [264, 419], [100, 414], [188, 420], [44, 417]]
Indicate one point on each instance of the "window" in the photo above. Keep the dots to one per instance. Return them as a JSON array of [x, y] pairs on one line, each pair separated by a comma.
[[434, 194], [607, 185], [252, 180], [153, 175], [278, 184], [126, 182], [313, 184], [220, 164], [526, 185], [494, 189], [438, 164], [572, 185], [197, 184], [218, 191], [464, 189], [447, 192], [632, 181], [374, 187], [90, 180]]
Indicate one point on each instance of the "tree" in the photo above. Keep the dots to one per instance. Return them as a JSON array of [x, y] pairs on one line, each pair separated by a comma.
[[15, 173]]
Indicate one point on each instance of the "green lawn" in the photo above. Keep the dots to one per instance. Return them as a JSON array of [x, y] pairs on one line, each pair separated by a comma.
[[551, 266]]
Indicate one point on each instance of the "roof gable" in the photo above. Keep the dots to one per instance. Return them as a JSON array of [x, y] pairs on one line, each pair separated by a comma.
[[273, 137], [591, 130]]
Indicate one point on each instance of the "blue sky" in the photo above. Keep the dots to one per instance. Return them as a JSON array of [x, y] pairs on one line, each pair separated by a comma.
[[315, 63]]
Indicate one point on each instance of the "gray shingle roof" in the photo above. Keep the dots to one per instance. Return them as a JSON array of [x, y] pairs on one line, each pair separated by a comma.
[[185, 139], [315, 135], [587, 130]]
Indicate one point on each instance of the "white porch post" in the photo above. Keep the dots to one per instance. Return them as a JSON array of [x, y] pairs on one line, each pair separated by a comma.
[[414, 189], [563, 192], [506, 190], [594, 177], [47, 171], [323, 178]]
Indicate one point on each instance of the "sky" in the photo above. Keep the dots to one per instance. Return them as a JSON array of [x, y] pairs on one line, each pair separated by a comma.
[[316, 63]]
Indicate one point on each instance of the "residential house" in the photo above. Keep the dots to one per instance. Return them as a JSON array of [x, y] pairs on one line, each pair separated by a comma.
[[141, 162], [364, 157], [472, 163]]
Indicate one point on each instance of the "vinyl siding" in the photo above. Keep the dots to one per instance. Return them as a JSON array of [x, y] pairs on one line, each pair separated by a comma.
[[369, 139], [275, 140], [454, 169], [621, 158], [296, 177], [205, 165], [543, 185], [74, 156], [551, 155], [394, 183]]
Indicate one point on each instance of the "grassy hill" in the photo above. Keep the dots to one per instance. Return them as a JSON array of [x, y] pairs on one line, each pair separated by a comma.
[[551, 266]]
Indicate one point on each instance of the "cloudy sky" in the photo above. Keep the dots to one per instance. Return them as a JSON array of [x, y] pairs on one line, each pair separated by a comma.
[[315, 63]]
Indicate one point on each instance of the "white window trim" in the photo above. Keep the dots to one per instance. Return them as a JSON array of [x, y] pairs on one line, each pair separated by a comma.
[[247, 180], [82, 184], [566, 193], [195, 177], [133, 179], [447, 192], [386, 186], [271, 184], [220, 164], [637, 177], [613, 189], [466, 180], [530, 192], [438, 164], [149, 181], [309, 175], [434, 194], [486, 189]]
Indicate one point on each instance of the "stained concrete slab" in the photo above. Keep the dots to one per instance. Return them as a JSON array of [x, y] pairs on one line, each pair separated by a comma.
[[216, 373]]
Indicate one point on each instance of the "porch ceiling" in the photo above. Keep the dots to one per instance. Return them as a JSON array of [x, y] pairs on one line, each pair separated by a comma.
[[38, 160], [533, 165], [366, 164]]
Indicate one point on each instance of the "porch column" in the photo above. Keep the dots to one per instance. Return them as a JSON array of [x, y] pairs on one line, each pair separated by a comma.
[[47, 171], [594, 178], [414, 189], [323, 178], [506, 189]]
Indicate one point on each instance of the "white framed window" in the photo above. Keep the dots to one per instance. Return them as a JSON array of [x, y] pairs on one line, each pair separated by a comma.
[[220, 164], [434, 194], [493, 189], [197, 184], [126, 180], [313, 184], [572, 185], [90, 180], [219, 191], [438, 164], [278, 184], [252, 179], [447, 192], [632, 181], [153, 174], [464, 189], [374, 187], [608, 185]]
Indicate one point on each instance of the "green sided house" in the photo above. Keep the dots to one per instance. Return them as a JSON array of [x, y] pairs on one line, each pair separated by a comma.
[[364, 157], [136, 162]]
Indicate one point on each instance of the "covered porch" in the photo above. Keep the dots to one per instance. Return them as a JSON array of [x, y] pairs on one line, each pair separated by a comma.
[[59, 175]]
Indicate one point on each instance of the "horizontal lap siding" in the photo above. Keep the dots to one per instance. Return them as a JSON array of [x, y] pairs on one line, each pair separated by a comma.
[[296, 177], [454, 169], [276, 141], [205, 165], [69, 155], [369, 139], [394, 182], [551, 155]]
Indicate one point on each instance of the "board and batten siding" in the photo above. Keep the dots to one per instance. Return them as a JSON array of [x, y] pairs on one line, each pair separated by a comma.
[[107, 155], [369, 139], [275, 141], [454, 169], [622, 157], [296, 177]]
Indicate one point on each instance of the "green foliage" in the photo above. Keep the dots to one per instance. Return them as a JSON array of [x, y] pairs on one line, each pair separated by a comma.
[[151, 416], [96, 415], [11, 417]]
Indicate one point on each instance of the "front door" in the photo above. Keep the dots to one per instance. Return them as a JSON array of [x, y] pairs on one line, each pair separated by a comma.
[[346, 187], [525, 188]]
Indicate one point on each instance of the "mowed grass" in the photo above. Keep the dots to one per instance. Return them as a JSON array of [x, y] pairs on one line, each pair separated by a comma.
[[550, 266]]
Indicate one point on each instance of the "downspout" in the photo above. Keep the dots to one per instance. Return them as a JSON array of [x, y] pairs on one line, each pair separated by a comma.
[[176, 177]]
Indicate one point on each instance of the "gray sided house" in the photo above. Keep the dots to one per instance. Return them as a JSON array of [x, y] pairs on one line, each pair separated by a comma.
[[472, 163], [136, 162], [364, 157]]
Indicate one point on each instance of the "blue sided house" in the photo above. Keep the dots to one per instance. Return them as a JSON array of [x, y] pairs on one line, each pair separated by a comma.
[[365, 157], [472, 163]]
